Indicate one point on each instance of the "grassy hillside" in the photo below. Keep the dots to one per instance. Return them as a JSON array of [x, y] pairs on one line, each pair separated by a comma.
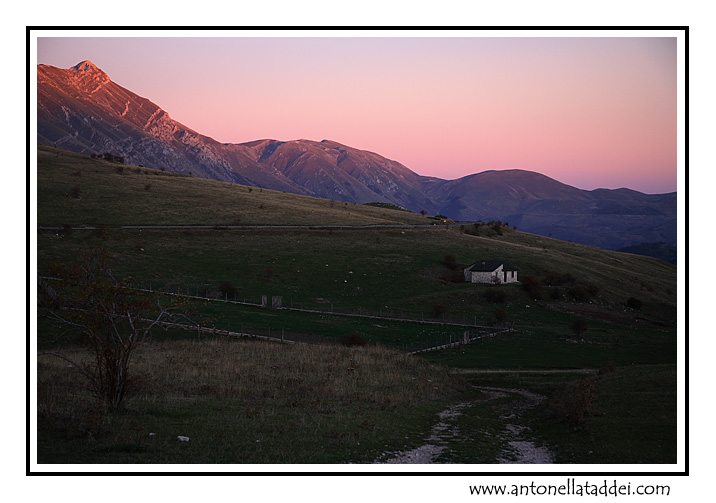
[[77, 190], [414, 272], [627, 301]]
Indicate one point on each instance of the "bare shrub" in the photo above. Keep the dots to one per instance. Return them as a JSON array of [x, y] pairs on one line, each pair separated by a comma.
[[634, 303], [101, 233], [227, 289], [607, 369], [578, 326], [269, 274], [495, 295], [559, 279], [439, 311], [111, 318], [572, 402], [533, 286], [352, 340], [450, 262], [579, 293], [592, 289], [500, 315], [454, 276]]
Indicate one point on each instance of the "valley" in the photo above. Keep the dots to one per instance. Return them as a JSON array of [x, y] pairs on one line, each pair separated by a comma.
[[244, 401]]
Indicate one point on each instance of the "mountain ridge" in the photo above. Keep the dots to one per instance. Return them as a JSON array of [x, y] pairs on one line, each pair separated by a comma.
[[81, 109]]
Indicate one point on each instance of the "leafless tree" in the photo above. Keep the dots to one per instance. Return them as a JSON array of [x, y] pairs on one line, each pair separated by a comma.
[[112, 318]]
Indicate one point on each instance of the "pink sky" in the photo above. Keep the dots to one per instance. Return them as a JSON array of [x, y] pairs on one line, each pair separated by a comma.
[[590, 112]]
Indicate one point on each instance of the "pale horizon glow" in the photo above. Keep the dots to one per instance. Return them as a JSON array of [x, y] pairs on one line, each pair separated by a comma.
[[592, 112]]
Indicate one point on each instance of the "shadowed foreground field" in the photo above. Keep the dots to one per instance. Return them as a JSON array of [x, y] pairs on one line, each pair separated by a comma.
[[242, 402], [251, 402]]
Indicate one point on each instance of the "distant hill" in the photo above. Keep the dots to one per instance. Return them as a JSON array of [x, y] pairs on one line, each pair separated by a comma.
[[81, 109], [536, 203]]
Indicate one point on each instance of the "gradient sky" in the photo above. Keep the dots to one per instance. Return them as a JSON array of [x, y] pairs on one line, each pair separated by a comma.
[[589, 112]]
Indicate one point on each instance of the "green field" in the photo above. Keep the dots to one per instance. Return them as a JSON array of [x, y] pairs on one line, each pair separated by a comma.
[[386, 272]]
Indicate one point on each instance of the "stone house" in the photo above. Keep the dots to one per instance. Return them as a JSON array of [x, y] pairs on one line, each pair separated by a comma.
[[491, 271]]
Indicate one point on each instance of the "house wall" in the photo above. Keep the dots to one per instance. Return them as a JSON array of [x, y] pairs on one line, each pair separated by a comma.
[[487, 277], [511, 277], [483, 277], [468, 274], [494, 277]]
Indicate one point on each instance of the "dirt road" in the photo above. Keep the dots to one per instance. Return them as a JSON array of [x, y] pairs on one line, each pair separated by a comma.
[[516, 445]]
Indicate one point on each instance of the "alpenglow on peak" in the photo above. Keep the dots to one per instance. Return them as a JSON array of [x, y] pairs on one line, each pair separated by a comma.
[[86, 66]]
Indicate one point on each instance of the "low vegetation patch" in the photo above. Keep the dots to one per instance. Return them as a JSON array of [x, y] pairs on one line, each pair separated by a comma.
[[572, 402], [489, 229], [388, 206], [242, 402], [634, 303], [622, 413], [354, 340], [495, 295]]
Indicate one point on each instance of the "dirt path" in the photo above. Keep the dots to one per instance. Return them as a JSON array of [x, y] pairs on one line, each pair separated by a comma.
[[519, 447], [516, 443], [440, 434]]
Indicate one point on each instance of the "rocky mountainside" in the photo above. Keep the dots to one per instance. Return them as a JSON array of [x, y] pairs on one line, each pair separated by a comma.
[[81, 109], [330, 170]]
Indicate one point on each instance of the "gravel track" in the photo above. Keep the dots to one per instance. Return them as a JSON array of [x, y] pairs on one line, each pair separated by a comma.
[[517, 445]]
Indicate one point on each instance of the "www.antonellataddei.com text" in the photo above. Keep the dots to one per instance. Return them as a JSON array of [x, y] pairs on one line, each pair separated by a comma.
[[571, 487]]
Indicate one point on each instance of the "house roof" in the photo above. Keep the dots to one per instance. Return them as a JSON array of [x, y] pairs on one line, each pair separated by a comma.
[[490, 265]]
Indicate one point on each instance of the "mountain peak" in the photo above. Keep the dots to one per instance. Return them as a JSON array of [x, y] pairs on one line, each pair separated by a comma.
[[88, 77], [86, 66]]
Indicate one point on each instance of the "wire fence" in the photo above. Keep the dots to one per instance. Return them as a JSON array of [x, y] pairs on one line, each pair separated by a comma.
[[276, 335], [471, 331], [423, 346], [321, 306], [451, 341]]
